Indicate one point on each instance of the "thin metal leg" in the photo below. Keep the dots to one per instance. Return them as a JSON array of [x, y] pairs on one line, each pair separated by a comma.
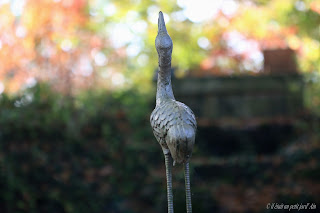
[[168, 162], [188, 190]]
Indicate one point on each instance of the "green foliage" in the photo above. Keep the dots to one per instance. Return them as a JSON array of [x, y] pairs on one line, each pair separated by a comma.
[[64, 155], [96, 153]]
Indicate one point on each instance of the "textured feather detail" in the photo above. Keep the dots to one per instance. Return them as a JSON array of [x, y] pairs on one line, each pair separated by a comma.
[[180, 140], [174, 126]]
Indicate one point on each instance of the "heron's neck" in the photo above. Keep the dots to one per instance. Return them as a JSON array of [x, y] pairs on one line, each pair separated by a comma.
[[164, 88]]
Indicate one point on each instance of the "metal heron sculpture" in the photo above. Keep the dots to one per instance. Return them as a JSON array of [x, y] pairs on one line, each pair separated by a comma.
[[173, 123]]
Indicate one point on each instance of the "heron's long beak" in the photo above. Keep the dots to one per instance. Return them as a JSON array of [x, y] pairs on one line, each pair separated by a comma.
[[161, 24]]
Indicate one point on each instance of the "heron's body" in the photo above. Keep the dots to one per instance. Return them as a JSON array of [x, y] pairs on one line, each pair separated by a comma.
[[173, 123], [174, 127]]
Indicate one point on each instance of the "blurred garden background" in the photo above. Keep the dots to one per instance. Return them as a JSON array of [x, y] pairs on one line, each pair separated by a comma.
[[77, 89]]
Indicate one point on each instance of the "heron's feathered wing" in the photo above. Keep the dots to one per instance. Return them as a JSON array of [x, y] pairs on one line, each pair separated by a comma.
[[174, 126]]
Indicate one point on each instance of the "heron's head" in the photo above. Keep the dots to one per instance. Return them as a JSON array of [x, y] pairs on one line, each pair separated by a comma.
[[163, 43]]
